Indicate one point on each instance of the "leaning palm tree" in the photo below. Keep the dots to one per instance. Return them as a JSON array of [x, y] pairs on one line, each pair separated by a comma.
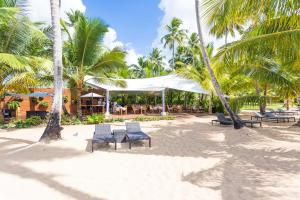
[[53, 129], [175, 35], [237, 121]]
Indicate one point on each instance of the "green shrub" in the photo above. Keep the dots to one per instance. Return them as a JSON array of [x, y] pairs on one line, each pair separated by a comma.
[[34, 100], [70, 120], [95, 119], [65, 99], [22, 124], [34, 121], [13, 105], [217, 106], [44, 104], [235, 105]]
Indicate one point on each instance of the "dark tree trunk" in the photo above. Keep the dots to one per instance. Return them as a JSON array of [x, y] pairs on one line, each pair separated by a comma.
[[264, 101], [65, 109], [53, 129], [257, 89], [235, 118], [288, 103]]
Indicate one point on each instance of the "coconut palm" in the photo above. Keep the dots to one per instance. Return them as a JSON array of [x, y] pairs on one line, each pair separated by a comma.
[[53, 128], [223, 20], [23, 51], [156, 61], [237, 121], [84, 55], [175, 35], [139, 70]]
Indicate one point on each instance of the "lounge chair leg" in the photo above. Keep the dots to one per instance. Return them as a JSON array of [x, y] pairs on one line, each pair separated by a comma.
[[92, 147], [149, 142], [129, 145], [115, 145]]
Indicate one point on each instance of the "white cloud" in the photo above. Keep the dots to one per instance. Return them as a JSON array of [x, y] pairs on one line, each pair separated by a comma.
[[111, 41], [186, 12], [132, 56], [39, 10]]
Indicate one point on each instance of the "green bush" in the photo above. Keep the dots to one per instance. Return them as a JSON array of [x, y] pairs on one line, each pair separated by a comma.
[[95, 119], [235, 105], [34, 100], [44, 104], [34, 121], [22, 124], [70, 120], [217, 106], [13, 105], [65, 99]]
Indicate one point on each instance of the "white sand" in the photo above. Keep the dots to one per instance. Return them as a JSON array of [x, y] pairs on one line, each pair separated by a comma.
[[190, 159]]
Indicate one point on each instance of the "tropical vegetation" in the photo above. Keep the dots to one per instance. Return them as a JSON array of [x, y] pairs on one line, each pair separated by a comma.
[[259, 66]]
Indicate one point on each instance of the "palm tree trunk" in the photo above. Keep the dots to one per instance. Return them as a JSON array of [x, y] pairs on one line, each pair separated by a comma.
[[53, 129], [264, 104], [79, 109], [236, 120], [65, 109], [288, 103], [261, 109], [173, 55], [210, 103]]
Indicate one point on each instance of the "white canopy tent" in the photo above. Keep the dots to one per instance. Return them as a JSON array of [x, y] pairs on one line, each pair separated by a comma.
[[156, 84]]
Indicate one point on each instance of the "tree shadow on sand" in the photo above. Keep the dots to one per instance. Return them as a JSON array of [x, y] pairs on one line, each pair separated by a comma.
[[12, 163], [249, 173], [246, 170]]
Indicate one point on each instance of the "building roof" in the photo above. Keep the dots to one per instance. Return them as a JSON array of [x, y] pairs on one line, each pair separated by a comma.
[[154, 84]]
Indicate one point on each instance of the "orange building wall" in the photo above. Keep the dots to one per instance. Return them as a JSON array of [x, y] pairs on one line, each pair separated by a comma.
[[27, 105]]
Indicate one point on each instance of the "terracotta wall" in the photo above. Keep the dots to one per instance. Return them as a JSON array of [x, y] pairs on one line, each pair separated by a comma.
[[26, 103]]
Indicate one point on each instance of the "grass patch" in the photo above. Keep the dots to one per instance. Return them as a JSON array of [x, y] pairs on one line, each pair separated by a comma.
[[256, 107], [143, 118]]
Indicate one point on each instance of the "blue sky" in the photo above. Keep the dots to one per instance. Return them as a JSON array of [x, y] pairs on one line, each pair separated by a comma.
[[135, 21]]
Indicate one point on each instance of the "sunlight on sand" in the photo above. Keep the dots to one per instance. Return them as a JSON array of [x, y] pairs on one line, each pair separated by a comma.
[[190, 159]]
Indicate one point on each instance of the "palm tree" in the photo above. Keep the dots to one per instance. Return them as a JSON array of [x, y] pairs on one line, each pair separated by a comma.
[[84, 55], [223, 20], [237, 121], [156, 61], [23, 51], [175, 35], [53, 128]]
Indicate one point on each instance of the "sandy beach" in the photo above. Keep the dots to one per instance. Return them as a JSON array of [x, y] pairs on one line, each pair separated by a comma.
[[189, 159]]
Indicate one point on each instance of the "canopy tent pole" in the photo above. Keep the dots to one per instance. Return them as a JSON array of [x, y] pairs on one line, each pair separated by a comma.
[[107, 114], [163, 113]]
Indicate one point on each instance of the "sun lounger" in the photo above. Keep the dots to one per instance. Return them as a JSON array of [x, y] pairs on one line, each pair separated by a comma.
[[103, 134], [134, 133], [280, 111], [271, 116], [258, 115], [222, 120]]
